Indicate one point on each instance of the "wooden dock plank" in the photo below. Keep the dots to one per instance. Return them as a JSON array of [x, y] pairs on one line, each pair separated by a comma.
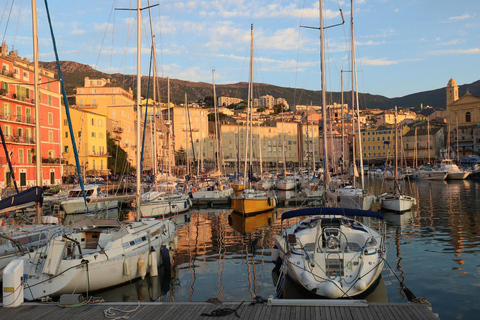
[[193, 310]]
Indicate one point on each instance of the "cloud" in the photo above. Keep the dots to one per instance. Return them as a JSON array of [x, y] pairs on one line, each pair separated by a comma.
[[383, 61], [453, 42], [454, 51], [462, 17]]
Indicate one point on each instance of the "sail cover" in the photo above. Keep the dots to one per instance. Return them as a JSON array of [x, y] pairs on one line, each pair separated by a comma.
[[331, 211], [21, 200]]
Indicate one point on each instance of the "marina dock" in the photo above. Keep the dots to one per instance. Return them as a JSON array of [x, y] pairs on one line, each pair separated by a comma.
[[200, 310]]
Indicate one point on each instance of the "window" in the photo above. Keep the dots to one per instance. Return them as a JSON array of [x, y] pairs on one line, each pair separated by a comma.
[[50, 118], [94, 134], [93, 122], [65, 122], [65, 149], [93, 149], [20, 132], [19, 113], [99, 122], [49, 99], [50, 136], [66, 134], [468, 117], [29, 155], [28, 115], [20, 156]]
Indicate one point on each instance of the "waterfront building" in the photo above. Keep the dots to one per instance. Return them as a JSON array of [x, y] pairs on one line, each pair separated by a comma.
[[463, 118], [271, 136], [117, 105], [90, 131], [378, 143], [192, 129], [422, 143], [17, 120]]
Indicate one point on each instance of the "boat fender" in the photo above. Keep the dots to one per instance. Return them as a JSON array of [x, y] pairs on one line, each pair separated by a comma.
[[332, 289], [269, 201], [165, 255], [142, 272], [275, 254], [229, 201], [126, 268], [152, 263], [360, 285], [308, 280], [194, 190]]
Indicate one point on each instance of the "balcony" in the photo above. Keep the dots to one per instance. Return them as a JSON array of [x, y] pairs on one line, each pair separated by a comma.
[[118, 129], [98, 154], [87, 106], [20, 140], [51, 160], [18, 118]]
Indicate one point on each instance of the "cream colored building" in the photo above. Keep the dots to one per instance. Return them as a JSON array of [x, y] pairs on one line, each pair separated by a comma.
[[117, 105], [90, 131], [463, 119], [388, 117], [272, 139], [226, 101]]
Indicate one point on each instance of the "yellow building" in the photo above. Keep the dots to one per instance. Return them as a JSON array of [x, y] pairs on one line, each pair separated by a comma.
[[195, 124], [388, 117], [90, 138], [117, 105], [378, 143]]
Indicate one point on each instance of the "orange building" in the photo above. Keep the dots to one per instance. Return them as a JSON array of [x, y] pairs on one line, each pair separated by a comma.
[[17, 120]]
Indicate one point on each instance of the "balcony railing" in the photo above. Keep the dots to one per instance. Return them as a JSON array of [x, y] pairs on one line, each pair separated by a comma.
[[98, 154], [17, 118], [17, 139], [118, 129], [51, 160], [88, 106]]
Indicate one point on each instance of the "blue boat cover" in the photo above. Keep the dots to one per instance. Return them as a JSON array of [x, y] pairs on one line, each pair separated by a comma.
[[34, 194], [331, 211]]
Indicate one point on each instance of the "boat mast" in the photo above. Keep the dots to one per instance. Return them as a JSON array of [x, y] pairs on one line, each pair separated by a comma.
[[215, 110], [428, 139], [249, 102], [395, 173], [139, 82], [326, 173], [186, 136], [169, 125], [38, 145], [313, 138], [354, 81]]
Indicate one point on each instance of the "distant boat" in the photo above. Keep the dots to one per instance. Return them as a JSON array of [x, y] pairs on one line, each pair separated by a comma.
[[98, 200], [427, 173], [454, 172]]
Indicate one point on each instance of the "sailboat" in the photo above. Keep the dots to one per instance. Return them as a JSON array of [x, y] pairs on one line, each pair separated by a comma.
[[95, 254], [349, 195], [214, 187], [396, 200], [250, 201], [330, 253]]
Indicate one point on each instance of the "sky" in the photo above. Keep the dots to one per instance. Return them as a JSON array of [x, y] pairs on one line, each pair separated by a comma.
[[402, 47]]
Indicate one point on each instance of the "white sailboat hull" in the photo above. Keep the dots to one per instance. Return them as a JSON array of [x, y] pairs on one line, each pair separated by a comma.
[[396, 202], [115, 263], [212, 194]]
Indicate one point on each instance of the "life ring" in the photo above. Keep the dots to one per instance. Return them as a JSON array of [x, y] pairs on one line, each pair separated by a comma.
[[194, 190]]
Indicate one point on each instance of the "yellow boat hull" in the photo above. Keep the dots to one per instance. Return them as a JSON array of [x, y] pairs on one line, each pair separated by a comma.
[[252, 206]]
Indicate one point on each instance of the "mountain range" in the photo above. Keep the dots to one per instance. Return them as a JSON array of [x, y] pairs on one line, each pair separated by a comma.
[[74, 74]]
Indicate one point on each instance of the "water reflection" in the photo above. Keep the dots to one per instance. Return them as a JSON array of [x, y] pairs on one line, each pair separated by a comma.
[[434, 249]]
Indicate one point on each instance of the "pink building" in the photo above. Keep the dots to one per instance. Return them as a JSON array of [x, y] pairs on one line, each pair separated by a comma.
[[17, 120]]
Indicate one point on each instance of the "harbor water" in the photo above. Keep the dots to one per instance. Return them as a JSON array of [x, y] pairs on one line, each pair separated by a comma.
[[433, 249]]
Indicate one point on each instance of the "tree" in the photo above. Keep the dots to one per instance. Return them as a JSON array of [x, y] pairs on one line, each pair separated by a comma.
[[118, 160], [181, 157]]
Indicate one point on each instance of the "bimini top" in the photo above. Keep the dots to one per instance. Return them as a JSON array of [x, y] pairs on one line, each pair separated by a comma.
[[331, 211]]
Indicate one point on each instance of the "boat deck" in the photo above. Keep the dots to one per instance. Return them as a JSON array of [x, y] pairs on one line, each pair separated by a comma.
[[194, 310]]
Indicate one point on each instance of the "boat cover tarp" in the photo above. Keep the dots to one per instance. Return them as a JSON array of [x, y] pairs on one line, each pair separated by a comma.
[[331, 211], [34, 194]]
